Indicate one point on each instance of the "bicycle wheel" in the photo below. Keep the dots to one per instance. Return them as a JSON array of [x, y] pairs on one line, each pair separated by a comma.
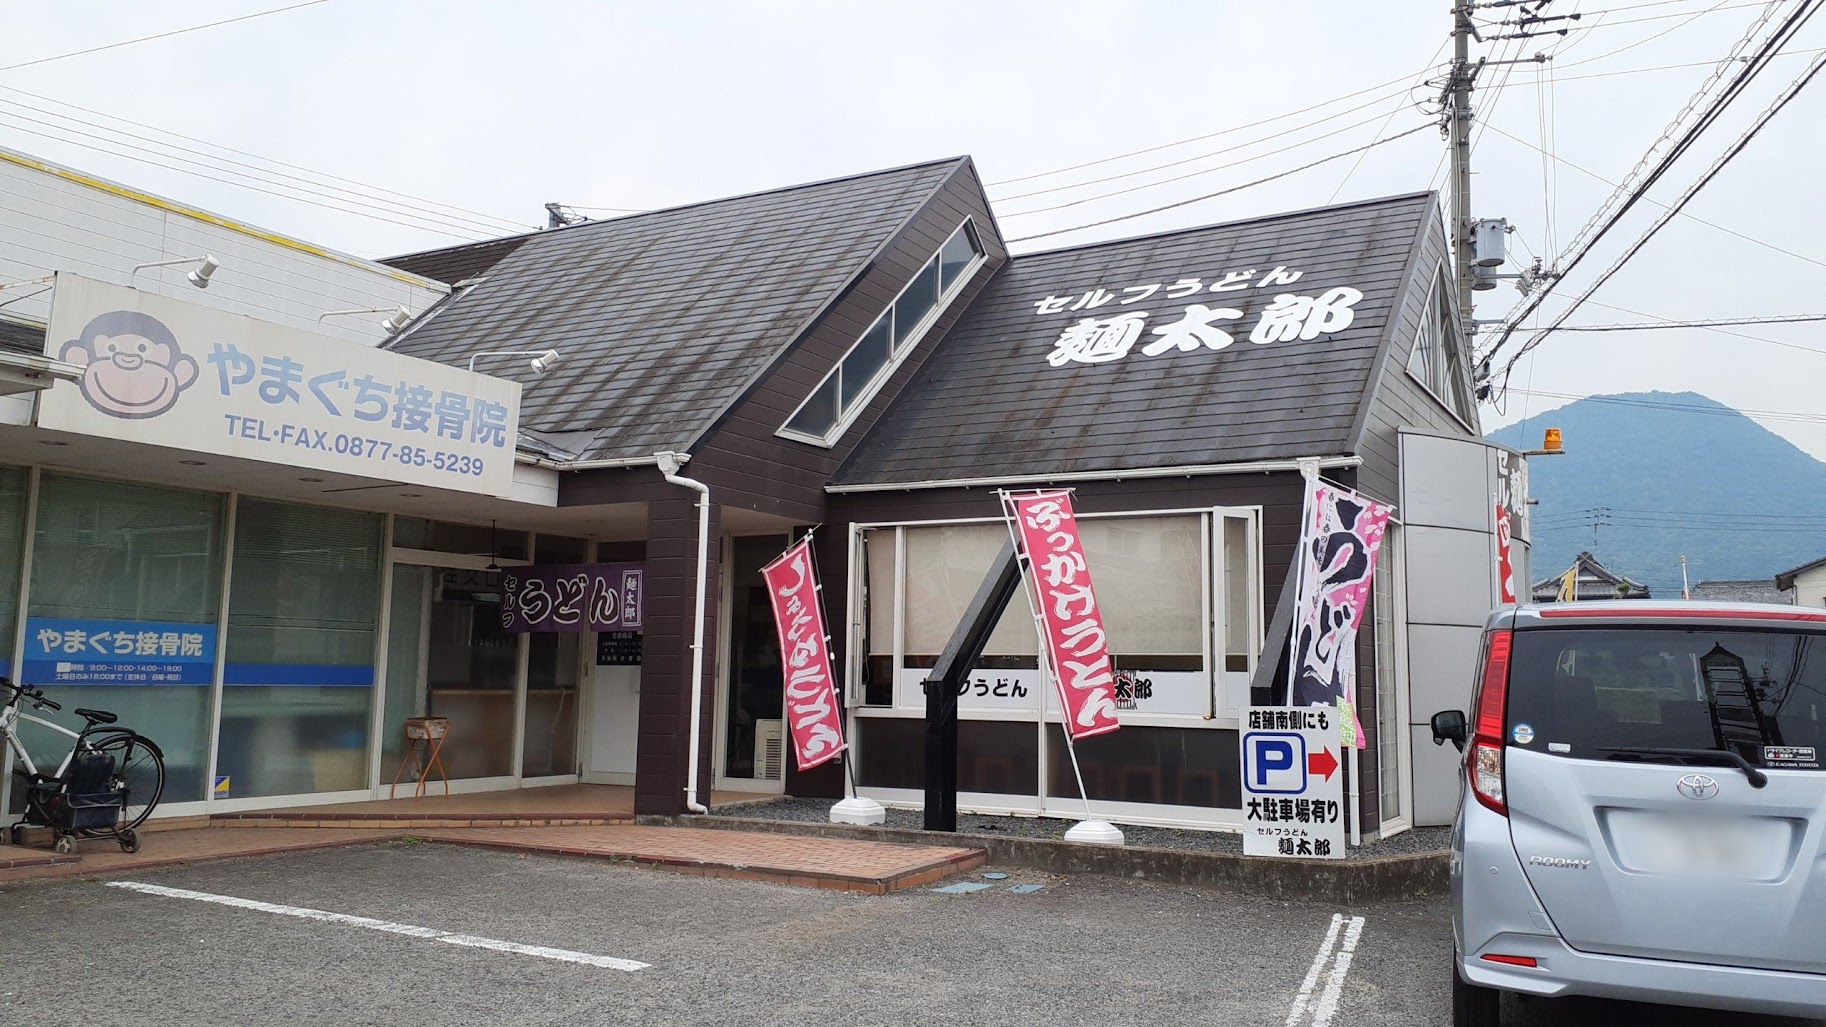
[[139, 768]]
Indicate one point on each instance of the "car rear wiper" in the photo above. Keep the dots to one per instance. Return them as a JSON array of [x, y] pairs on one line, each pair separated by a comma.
[[1756, 777]]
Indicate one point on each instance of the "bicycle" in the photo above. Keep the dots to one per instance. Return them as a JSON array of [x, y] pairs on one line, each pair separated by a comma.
[[106, 786]]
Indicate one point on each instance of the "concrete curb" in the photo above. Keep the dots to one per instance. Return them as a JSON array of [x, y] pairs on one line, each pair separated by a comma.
[[1378, 879]]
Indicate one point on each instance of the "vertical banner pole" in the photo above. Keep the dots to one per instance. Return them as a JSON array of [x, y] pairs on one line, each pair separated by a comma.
[[1090, 829]]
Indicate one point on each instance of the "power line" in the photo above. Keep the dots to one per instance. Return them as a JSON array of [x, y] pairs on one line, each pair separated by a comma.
[[1649, 39], [506, 223], [1191, 174], [1655, 203], [1213, 153], [1620, 202], [1796, 416], [254, 172], [1640, 326], [1717, 331], [1209, 135], [376, 211], [1221, 192], [162, 35], [1712, 172]]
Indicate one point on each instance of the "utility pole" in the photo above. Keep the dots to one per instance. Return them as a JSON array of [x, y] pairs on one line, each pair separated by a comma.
[[1458, 127]]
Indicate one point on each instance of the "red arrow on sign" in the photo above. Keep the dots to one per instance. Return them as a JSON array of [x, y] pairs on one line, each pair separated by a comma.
[[1322, 763]]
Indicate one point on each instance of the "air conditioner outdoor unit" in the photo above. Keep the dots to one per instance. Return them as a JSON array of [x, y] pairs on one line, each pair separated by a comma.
[[769, 749]]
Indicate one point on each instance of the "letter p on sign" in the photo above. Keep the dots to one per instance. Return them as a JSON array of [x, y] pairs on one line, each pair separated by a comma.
[[1277, 762]]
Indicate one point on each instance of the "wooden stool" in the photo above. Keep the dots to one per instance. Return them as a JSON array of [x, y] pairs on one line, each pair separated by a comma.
[[427, 733]]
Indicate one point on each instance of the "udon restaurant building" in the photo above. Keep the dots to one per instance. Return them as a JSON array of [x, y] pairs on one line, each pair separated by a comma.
[[538, 502]]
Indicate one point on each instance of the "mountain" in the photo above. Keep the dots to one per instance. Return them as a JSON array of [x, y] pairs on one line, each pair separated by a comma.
[[1663, 474]]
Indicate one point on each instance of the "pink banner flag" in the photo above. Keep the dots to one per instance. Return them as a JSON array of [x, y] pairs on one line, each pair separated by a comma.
[[1071, 625], [812, 713], [1505, 568], [1338, 547]]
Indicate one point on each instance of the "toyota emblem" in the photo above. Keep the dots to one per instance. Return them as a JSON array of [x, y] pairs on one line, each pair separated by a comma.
[[1697, 786]]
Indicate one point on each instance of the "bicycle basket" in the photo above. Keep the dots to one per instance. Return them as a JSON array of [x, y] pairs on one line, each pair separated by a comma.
[[89, 802]]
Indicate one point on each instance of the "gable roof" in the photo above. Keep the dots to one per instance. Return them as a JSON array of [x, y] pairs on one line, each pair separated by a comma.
[[988, 400], [454, 264], [1596, 581], [664, 319], [1785, 579], [1752, 590]]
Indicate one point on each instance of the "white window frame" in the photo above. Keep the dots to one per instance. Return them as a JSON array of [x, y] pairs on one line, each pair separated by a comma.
[[897, 351], [1444, 329], [1226, 714]]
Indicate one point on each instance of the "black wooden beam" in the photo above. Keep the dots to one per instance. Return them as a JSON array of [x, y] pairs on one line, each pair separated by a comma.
[[947, 679]]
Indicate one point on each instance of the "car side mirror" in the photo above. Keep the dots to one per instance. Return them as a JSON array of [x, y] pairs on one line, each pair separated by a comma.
[[1449, 726]]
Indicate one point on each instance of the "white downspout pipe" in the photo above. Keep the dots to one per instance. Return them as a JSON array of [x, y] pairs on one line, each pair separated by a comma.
[[669, 463]]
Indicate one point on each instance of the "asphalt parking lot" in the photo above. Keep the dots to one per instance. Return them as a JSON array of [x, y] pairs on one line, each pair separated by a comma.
[[429, 935]]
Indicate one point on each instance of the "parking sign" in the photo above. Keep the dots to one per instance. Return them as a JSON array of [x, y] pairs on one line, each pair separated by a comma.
[[1293, 787]]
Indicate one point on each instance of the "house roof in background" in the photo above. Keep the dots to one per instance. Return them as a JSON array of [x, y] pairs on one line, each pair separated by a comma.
[[456, 263], [1596, 581], [988, 401], [665, 318], [1786, 578], [21, 337], [1752, 590]]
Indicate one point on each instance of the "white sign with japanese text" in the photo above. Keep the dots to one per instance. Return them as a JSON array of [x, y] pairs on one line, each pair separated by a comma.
[[1293, 785], [1182, 692], [1192, 327], [177, 374]]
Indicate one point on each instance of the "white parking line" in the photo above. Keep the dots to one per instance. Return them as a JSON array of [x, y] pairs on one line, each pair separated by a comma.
[[346, 920], [1328, 1001], [1327, 1006]]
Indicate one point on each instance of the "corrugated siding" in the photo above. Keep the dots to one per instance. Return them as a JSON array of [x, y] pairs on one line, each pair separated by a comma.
[[665, 319], [989, 403], [50, 223]]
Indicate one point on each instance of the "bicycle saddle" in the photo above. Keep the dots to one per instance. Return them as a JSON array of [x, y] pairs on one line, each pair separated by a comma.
[[96, 716]]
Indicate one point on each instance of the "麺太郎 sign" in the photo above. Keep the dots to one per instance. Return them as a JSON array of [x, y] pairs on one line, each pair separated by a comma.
[[1071, 625], [812, 713]]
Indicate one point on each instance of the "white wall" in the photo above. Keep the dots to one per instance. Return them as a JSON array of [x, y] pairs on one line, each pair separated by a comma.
[[1810, 588], [1449, 489], [57, 219]]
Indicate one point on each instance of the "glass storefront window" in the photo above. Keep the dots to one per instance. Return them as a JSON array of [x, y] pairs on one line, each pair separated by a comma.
[[945, 566], [470, 665], [298, 684], [550, 744], [120, 557], [14, 482]]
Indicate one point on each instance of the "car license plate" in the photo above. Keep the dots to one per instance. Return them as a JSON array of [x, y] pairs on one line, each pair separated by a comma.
[[1733, 848]]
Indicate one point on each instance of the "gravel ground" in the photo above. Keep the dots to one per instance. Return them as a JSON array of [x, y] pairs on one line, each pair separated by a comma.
[[817, 811]]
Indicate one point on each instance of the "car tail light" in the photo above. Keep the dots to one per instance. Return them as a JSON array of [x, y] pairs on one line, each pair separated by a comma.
[[1511, 960], [1484, 760]]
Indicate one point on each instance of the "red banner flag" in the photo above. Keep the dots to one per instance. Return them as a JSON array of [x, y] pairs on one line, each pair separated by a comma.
[[1505, 569], [1077, 649], [812, 713]]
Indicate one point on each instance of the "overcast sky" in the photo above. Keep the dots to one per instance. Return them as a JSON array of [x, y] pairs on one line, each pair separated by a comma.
[[497, 108]]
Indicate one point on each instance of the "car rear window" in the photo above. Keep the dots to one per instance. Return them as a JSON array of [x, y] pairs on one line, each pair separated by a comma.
[[1581, 692]]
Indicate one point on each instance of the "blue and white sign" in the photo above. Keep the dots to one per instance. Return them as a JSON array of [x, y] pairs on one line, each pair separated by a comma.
[[1293, 787], [178, 374], [66, 651]]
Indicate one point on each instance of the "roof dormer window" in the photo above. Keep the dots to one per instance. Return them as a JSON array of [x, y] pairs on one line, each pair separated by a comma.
[[865, 368]]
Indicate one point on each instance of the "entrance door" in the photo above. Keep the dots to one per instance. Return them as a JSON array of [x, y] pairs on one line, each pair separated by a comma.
[[753, 735], [449, 657]]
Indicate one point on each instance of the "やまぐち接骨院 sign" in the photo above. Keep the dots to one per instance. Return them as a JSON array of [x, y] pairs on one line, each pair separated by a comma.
[[177, 374]]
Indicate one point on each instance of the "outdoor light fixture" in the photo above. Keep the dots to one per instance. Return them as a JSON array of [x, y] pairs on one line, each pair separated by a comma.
[[206, 265], [543, 359], [397, 317], [494, 548]]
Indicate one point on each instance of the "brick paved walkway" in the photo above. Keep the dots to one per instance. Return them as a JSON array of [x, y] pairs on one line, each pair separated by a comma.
[[166, 848], [837, 864]]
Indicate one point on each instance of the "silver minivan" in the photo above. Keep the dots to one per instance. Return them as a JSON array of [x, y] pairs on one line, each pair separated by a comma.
[[1643, 808]]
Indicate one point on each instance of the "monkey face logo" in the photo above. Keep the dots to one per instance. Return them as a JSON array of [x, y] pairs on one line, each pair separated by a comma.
[[132, 366]]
